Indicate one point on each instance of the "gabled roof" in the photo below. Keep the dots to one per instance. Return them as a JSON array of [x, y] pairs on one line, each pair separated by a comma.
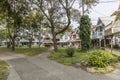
[[117, 14], [99, 21], [107, 20]]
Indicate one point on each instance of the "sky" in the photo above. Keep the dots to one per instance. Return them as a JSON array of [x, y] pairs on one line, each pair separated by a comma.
[[103, 9]]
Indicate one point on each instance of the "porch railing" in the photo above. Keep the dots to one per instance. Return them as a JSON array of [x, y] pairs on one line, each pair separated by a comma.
[[97, 35]]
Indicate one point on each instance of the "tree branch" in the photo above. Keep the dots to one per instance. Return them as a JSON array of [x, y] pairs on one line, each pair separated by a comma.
[[69, 21], [41, 5]]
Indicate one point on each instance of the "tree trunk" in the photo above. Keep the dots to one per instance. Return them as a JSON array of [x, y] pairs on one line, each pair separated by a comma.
[[8, 44], [30, 43], [13, 44], [55, 42], [39, 43], [0, 41]]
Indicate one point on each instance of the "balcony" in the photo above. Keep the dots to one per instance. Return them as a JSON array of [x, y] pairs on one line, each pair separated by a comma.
[[116, 30], [97, 35]]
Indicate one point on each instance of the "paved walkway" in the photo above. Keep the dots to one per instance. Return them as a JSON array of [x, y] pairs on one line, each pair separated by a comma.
[[114, 51], [41, 68]]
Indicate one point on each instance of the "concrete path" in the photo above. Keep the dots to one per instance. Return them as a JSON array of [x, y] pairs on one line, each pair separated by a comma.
[[41, 68], [114, 51]]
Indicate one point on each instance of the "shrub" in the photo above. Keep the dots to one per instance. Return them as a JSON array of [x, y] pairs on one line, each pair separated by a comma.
[[102, 48], [47, 45], [119, 58], [20, 45], [70, 52], [78, 50], [100, 58]]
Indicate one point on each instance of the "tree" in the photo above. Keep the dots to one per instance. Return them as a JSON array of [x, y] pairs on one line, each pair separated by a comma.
[[85, 23], [85, 32], [28, 24], [39, 21], [57, 14], [14, 11], [2, 35], [87, 4], [32, 24]]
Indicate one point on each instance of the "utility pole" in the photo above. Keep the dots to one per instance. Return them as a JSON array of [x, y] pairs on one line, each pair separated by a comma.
[[82, 7]]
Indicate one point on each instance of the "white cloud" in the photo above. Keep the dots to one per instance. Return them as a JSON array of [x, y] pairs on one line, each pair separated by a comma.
[[103, 9]]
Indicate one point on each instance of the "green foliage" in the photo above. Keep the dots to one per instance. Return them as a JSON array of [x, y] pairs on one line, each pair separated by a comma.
[[47, 45], [94, 58], [3, 70], [13, 12], [100, 58], [90, 3], [61, 56], [3, 34], [20, 45], [54, 18], [70, 52], [85, 31]]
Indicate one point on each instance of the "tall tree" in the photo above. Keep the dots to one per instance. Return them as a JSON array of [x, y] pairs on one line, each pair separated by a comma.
[[85, 23], [14, 11], [85, 32], [29, 27], [87, 4], [39, 23], [2, 35], [57, 14], [32, 24]]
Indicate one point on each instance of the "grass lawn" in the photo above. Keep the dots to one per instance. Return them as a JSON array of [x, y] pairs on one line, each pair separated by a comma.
[[94, 61], [61, 57], [3, 70], [26, 51]]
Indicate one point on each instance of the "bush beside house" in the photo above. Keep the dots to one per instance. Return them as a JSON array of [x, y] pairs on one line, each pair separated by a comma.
[[97, 59]]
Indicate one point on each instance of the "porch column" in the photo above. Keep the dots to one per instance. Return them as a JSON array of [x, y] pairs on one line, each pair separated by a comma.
[[111, 43], [104, 42], [100, 43]]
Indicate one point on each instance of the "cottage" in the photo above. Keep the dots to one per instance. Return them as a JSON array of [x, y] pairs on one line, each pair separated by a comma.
[[112, 31], [97, 33], [70, 39]]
